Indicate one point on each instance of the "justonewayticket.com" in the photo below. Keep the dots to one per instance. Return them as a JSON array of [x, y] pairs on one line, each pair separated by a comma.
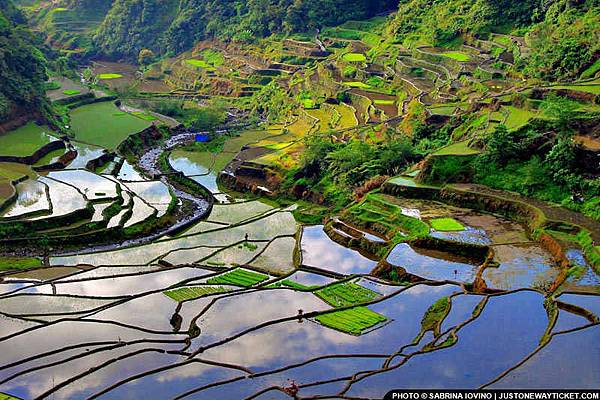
[[493, 395]]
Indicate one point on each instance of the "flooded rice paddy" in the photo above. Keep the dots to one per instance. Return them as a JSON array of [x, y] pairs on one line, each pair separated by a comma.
[[252, 304]]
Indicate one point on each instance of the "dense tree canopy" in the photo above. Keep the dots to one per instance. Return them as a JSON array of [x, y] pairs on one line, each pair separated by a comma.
[[174, 26], [562, 34], [22, 65]]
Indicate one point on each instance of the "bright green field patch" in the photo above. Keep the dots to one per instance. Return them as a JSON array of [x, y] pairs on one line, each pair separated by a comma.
[[71, 92], [593, 88], [144, 116], [18, 263], [460, 148], [238, 277], [445, 110], [346, 294], [213, 57], [309, 104], [97, 124], [109, 76], [50, 158], [358, 85], [456, 55], [4, 396], [199, 64], [353, 321], [354, 57], [591, 71], [446, 225], [192, 293], [25, 140], [518, 117], [384, 102]]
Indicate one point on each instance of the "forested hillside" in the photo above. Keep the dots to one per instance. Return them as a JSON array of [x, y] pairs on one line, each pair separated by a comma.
[[174, 26], [562, 35], [22, 65]]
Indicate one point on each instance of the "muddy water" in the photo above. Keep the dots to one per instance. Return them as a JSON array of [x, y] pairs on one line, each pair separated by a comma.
[[527, 266]]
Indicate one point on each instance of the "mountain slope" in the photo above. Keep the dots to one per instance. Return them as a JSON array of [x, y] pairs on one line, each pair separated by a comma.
[[563, 35], [175, 25], [22, 66]]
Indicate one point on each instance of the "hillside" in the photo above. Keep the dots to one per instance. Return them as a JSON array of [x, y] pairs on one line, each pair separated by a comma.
[[121, 28], [22, 66], [563, 35]]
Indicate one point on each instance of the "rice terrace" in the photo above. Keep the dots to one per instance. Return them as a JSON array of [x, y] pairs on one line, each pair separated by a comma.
[[211, 199]]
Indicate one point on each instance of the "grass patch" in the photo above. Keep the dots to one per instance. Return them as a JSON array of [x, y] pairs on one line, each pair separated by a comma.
[[592, 88], [434, 315], [354, 57], [457, 55], [14, 171], [192, 293], [54, 85], [109, 76], [446, 225], [213, 57], [199, 64], [71, 92], [309, 104], [19, 263], [4, 396], [346, 294], [353, 321], [239, 277], [357, 85], [384, 102], [144, 116], [24, 141], [460, 148], [518, 117], [377, 210], [107, 130], [591, 71]]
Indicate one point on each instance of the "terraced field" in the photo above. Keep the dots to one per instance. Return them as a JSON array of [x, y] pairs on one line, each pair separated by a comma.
[[139, 261]]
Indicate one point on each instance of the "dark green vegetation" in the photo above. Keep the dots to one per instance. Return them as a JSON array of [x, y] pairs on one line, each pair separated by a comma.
[[239, 277], [353, 321], [174, 26], [435, 315], [563, 35], [22, 66]]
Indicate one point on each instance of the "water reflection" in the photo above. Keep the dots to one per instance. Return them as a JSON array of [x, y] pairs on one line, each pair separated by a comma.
[[569, 362], [525, 266], [485, 348], [432, 267], [318, 250]]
